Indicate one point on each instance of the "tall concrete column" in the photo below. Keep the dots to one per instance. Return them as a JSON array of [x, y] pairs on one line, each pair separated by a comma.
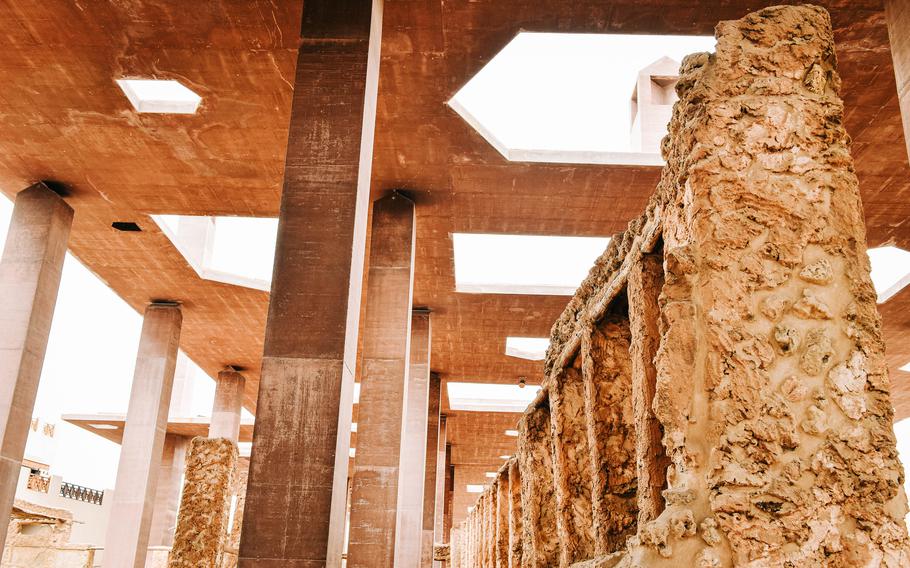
[[127, 538], [229, 387], [375, 500], [296, 495], [30, 273], [898, 15], [409, 532], [431, 472], [167, 495]]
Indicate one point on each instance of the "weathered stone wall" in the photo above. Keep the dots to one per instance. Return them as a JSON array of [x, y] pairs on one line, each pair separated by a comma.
[[205, 504], [571, 466], [746, 420], [611, 432]]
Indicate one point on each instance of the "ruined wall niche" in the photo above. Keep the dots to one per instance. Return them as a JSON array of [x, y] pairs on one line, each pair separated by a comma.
[[770, 389]]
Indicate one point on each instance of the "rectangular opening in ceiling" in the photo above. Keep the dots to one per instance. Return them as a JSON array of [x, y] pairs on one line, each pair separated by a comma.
[[523, 264], [531, 348], [487, 397]]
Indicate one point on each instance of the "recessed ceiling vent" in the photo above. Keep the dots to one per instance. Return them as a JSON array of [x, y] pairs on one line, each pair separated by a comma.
[[126, 226]]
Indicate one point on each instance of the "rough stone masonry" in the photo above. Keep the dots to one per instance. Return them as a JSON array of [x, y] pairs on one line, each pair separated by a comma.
[[760, 419]]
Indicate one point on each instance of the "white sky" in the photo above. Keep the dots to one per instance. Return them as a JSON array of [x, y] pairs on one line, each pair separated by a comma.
[[523, 264], [569, 92], [88, 369]]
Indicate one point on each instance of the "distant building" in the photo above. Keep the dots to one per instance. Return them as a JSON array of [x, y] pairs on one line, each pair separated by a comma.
[[652, 104]]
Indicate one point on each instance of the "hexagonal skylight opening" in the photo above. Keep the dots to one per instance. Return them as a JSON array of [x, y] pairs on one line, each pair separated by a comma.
[[232, 250], [890, 270], [578, 98]]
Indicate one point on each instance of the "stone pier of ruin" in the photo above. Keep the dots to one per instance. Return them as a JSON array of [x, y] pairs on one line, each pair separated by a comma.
[[716, 392]]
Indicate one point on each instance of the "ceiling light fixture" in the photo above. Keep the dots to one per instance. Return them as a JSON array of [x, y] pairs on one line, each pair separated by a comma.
[[491, 474], [159, 96], [471, 488], [512, 433], [105, 426]]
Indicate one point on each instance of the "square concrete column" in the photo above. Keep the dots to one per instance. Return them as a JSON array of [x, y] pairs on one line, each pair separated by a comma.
[[127, 539], [229, 387], [375, 500], [29, 278], [898, 15], [167, 495], [431, 471], [409, 532], [296, 496], [440, 507]]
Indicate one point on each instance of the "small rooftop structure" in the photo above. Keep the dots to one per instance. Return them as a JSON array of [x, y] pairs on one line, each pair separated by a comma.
[[652, 104]]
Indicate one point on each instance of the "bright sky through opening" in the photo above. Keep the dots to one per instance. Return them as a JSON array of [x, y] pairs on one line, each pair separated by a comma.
[[523, 264], [890, 270], [485, 397], [567, 92], [531, 348]]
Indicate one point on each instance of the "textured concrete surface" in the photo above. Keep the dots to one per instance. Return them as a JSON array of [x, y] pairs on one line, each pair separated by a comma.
[[127, 538], [434, 473], [376, 481], [898, 14], [167, 493], [295, 501], [29, 278], [229, 388], [412, 480], [202, 527]]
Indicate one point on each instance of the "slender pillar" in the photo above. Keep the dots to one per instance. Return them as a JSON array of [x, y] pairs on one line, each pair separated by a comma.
[[296, 494], [898, 15], [409, 532], [432, 471], [167, 495], [225, 422], [127, 538], [29, 278], [442, 475], [375, 499]]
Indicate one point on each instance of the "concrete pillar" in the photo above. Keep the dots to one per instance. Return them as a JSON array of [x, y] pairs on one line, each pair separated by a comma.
[[432, 471], [646, 280], [375, 497], [296, 495], [229, 389], [541, 546], [898, 15], [515, 530], [442, 475], [167, 494], [572, 471], [127, 538], [30, 273], [409, 530]]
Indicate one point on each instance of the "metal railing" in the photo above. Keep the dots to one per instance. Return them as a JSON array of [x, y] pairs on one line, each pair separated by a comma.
[[79, 493]]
